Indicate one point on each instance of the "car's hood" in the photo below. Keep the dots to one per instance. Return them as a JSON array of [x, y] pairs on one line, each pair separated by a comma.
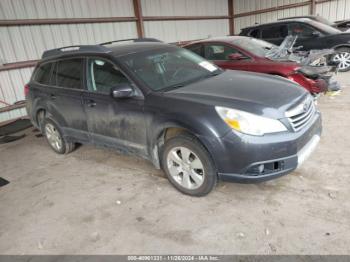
[[256, 93]]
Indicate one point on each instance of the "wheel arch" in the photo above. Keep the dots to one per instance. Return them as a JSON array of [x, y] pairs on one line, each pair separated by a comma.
[[167, 131], [341, 46]]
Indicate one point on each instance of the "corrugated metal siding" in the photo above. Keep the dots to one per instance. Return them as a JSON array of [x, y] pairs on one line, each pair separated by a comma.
[[34, 9], [173, 31], [184, 7], [12, 90], [242, 6], [334, 10], [20, 43]]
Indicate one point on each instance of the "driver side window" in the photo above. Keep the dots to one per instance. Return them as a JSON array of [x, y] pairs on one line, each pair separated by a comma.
[[219, 52], [103, 76], [301, 30]]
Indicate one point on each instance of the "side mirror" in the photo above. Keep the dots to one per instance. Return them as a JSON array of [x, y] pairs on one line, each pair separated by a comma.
[[122, 91], [315, 34], [236, 56]]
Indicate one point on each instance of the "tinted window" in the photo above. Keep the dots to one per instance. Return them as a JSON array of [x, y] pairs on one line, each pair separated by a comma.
[[301, 29], [255, 33], [196, 49], [218, 52], [277, 31], [69, 73], [43, 74], [103, 76]]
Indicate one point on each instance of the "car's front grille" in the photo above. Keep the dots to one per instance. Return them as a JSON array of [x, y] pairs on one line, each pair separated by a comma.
[[302, 114]]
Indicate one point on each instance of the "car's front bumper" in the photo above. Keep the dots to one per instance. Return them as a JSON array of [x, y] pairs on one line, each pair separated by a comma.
[[243, 158]]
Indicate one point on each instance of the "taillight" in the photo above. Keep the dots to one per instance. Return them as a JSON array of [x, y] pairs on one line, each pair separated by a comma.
[[26, 90]]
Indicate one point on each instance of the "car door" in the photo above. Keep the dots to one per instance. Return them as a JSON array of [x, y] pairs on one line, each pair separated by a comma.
[[274, 34], [219, 54], [308, 37], [112, 122], [65, 98]]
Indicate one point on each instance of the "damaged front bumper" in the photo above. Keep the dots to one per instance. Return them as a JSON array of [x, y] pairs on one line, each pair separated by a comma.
[[322, 78]]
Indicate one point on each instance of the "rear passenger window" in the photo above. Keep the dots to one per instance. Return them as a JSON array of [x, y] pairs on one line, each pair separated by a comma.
[[69, 73], [277, 31], [43, 74]]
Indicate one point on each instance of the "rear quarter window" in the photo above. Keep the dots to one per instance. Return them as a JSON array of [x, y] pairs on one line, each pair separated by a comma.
[[42, 74]]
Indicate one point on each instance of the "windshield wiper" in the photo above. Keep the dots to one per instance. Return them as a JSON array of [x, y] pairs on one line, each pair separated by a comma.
[[215, 73]]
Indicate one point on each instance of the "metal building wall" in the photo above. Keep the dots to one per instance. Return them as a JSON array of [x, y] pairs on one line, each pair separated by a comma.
[[22, 43], [243, 6], [172, 31], [335, 10]]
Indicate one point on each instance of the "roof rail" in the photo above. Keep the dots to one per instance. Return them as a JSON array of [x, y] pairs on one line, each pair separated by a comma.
[[75, 49], [146, 39]]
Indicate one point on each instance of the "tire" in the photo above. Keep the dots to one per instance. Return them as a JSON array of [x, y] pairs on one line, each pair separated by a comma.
[[342, 57], [188, 165], [53, 132]]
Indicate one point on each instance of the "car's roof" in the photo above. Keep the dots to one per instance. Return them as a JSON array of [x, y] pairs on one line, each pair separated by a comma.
[[304, 20], [300, 16], [114, 49], [130, 48], [226, 39]]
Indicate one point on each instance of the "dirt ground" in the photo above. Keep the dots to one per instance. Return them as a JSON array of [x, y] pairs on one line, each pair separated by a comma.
[[94, 201]]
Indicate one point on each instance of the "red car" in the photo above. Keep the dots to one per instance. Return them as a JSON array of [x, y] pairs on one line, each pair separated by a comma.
[[248, 54]]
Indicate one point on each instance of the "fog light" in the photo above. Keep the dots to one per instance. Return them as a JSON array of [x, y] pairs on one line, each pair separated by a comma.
[[261, 168]]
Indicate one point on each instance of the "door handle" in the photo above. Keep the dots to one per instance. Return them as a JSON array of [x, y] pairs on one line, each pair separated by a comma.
[[52, 96], [91, 103]]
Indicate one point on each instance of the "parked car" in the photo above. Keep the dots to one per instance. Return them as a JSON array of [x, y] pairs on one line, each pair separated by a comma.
[[250, 54], [312, 35], [166, 104], [342, 25]]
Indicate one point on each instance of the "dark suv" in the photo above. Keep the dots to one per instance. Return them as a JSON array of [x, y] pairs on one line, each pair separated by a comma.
[[311, 35], [174, 108]]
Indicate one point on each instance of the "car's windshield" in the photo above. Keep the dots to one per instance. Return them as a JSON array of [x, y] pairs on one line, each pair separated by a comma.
[[324, 28], [253, 45], [169, 67]]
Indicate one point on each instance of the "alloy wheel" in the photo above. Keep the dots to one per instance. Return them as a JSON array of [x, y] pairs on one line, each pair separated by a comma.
[[185, 167], [343, 60], [53, 136]]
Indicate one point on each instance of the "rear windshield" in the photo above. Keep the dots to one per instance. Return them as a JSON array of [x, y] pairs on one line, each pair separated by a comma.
[[255, 46]]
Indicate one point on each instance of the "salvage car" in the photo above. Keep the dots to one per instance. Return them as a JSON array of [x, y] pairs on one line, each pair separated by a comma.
[[166, 104], [250, 54], [311, 35], [342, 25]]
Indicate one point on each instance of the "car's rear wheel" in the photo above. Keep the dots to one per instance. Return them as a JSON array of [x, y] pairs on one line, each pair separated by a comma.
[[55, 139], [188, 165], [342, 58]]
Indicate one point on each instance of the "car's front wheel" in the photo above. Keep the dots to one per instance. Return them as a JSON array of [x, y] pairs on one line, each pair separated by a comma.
[[342, 58], [55, 139], [188, 165]]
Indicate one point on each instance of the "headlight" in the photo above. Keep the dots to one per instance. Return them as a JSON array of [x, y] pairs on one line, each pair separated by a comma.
[[249, 123]]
